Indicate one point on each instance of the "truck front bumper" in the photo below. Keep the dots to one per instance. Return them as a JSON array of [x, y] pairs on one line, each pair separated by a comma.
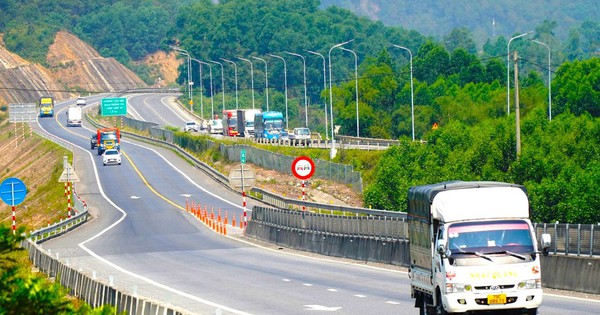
[[469, 301]]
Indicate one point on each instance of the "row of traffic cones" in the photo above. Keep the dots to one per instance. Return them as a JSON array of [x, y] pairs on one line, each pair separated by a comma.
[[218, 223]]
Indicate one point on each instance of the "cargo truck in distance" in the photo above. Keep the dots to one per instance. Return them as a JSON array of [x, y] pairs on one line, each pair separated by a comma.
[[245, 121], [74, 116], [46, 105], [230, 123], [473, 248], [269, 125], [108, 138]]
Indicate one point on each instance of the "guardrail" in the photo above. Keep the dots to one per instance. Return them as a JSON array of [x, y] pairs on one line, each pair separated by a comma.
[[572, 239]]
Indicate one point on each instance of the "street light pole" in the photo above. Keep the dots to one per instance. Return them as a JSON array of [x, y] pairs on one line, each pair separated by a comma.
[[412, 94], [304, 71], [201, 94], [324, 88], [285, 87], [332, 154], [222, 81], [356, 83], [190, 84], [508, 70], [251, 77], [549, 80], [266, 80], [212, 103], [236, 80]]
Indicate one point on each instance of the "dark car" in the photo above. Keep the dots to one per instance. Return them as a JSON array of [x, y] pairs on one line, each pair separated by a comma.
[[94, 141]]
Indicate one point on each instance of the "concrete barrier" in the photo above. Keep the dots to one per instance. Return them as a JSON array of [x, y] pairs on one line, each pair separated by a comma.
[[571, 273], [564, 272]]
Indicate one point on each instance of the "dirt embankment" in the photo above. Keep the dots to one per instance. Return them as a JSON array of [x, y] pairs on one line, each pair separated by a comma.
[[75, 68]]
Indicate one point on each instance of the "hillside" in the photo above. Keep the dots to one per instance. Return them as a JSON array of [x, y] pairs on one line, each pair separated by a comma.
[[75, 68], [484, 18]]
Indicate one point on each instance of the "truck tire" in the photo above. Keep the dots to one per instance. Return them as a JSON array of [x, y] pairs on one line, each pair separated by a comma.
[[440, 305], [531, 311]]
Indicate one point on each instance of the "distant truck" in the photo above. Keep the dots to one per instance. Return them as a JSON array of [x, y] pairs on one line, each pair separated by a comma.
[[269, 125], [108, 138], [473, 248], [230, 123], [74, 116], [245, 121], [46, 105]]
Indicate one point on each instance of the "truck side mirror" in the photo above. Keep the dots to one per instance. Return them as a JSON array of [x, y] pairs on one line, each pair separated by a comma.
[[441, 249], [545, 241]]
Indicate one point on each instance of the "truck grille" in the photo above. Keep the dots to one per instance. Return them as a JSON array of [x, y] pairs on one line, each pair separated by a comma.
[[489, 287]]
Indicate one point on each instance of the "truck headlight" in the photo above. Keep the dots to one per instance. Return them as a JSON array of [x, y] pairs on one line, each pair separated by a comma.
[[530, 284], [458, 287]]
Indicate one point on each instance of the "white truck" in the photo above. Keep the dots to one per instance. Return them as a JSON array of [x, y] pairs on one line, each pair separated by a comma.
[[74, 116], [473, 248], [246, 121]]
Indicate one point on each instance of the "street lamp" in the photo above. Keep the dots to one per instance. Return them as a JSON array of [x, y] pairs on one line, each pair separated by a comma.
[[189, 74], [412, 95], [304, 70], [251, 77], [201, 103], [285, 87], [266, 80], [236, 80], [324, 87], [508, 70], [549, 80], [332, 154], [356, 83], [212, 103], [222, 82]]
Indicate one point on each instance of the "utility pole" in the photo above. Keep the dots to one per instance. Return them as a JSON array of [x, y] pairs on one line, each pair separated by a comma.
[[517, 112]]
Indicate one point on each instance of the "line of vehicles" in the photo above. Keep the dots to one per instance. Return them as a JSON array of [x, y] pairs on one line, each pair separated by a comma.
[[250, 123]]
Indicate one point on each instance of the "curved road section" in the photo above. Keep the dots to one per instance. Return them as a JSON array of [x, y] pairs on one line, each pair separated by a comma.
[[142, 240]]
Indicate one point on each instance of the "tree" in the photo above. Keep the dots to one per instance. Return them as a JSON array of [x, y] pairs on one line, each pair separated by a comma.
[[460, 38], [575, 87]]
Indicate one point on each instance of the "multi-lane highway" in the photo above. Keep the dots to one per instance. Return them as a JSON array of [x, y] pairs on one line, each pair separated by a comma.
[[141, 239]]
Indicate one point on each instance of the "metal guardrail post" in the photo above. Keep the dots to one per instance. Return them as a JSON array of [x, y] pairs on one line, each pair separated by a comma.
[[591, 240], [579, 239], [567, 239], [555, 238]]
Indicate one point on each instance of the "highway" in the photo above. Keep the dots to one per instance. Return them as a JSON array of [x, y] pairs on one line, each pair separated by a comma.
[[141, 239]]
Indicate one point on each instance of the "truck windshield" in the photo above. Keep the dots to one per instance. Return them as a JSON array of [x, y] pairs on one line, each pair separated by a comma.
[[273, 124], [110, 136], [497, 237]]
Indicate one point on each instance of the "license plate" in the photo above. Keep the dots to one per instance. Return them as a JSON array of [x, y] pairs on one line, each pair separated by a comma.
[[496, 299]]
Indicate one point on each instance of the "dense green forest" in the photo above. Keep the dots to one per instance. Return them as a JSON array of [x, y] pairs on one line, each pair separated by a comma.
[[457, 85], [484, 18]]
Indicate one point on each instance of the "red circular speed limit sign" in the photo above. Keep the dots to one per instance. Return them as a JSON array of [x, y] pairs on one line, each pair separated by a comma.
[[303, 167]]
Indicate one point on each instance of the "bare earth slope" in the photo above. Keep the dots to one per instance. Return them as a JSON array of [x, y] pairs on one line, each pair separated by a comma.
[[74, 66]]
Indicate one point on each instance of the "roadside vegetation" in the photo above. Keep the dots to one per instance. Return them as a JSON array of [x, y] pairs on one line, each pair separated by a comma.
[[38, 163]]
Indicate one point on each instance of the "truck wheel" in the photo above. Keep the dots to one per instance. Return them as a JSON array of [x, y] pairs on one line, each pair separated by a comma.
[[531, 311], [440, 306]]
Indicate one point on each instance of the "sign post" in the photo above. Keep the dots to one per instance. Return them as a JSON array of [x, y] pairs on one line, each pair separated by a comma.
[[243, 161], [13, 192], [303, 168]]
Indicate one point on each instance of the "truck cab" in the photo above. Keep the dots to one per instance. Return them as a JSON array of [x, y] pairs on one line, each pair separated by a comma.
[[473, 248], [108, 138]]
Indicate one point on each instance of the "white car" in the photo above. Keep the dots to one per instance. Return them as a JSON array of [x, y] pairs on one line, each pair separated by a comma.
[[81, 101], [111, 156], [190, 126], [215, 126]]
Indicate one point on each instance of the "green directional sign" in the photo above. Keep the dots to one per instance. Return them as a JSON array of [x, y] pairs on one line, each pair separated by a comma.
[[115, 106], [243, 156]]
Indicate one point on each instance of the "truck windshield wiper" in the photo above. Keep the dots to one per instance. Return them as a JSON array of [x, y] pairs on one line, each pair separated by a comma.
[[478, 254], [509, 253]]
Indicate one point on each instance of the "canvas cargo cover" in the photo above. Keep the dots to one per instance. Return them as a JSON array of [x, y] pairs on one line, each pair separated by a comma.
[[460, 200]]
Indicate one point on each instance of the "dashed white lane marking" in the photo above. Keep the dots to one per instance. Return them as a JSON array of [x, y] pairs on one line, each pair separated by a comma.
[[360, 296], [286, 280], [332, 290], [393, 302], [307, 284]]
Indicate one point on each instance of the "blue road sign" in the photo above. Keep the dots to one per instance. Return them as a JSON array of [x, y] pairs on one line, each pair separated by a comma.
[[13, 191]]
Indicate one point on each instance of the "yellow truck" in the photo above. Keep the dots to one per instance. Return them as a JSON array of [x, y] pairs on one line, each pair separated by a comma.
[[46, 105]]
